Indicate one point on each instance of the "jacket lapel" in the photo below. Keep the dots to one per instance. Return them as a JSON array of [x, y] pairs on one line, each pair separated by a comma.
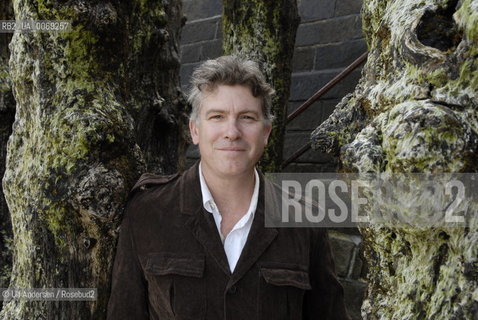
[[198, 220], [258, 240], [202, 225]]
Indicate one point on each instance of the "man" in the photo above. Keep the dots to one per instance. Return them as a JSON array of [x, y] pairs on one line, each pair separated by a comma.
[[194, 246]]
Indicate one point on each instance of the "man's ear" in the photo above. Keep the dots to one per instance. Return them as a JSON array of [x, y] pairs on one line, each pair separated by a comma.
[[193, 130]]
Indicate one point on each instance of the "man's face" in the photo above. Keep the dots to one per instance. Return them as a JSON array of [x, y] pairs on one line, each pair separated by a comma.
[[230, 131]]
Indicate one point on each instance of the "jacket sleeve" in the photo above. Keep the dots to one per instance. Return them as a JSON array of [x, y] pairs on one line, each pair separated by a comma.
[[129, 292], [326, 298]]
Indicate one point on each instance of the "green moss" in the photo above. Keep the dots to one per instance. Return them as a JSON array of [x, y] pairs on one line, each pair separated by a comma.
[[467, 17], [58, 224], [142, 31], [438, 78], [468, 76], [80, 52], [49, 10]]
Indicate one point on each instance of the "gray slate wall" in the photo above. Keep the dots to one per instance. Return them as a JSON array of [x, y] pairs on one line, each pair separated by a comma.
[[329, 38]]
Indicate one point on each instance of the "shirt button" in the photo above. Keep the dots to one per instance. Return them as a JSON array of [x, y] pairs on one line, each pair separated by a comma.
[[232, 290]]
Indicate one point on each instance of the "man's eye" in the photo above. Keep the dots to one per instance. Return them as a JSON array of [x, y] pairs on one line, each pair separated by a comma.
[[248, 117], [216, 117]]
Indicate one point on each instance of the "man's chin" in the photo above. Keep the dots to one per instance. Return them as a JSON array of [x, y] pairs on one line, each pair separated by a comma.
[[236, 170]]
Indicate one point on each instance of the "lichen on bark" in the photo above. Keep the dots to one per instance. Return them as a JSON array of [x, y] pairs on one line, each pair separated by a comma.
[[7, 115], [73, 154], [414, 111], [264, 31]]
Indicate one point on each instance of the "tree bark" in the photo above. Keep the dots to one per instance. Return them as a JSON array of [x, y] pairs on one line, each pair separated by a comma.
[[156, 101], [264, 31], [7, 115], [73, 154], [414, 111]]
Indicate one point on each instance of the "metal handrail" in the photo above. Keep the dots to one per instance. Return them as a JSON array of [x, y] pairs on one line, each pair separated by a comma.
[[296, 154], [329, 85]]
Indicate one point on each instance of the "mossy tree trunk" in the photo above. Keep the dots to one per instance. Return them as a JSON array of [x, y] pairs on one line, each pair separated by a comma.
[[415, 110], [7, 115], [264, 30], [157, 103], [78, 139]]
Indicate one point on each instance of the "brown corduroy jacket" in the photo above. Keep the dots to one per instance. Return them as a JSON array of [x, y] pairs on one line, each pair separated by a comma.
[[170, 262]]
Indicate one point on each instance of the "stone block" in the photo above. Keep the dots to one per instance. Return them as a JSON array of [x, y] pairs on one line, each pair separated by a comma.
[[346, 86], [329, 31], [201, 30], [313, 116], [350, 231], [185, 73], [356, 258], [294, 140], [310, 10], [305, 85], [357, 267], [197, 52], [211, 49], [303, 59], [342, 248], [327, 107], [354, 293], [219, 30], [307, 120], [195, 10], [339, 55], [312, 167], [191, 53], [347, 7]]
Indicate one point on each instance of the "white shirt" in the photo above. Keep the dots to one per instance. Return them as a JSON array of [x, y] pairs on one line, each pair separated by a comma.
[[236, 239]]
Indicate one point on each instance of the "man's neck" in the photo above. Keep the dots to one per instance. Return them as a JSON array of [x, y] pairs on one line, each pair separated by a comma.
[[231, 194]]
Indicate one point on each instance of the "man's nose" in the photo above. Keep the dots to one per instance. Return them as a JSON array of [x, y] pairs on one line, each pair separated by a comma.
[[233, 131]]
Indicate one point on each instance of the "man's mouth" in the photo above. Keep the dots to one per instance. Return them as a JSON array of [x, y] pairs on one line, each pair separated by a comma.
[[237, 149]]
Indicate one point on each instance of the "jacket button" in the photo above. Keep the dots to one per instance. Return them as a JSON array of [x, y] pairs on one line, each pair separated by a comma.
[[232, 290]]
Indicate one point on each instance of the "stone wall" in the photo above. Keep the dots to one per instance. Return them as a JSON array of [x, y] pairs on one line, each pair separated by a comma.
[[329, 38], [202, 35]]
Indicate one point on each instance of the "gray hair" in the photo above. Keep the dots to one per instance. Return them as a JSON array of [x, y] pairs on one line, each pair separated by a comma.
[[230, 70]]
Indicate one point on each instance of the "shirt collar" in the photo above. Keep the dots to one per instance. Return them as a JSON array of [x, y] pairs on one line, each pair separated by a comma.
[[208, 200]]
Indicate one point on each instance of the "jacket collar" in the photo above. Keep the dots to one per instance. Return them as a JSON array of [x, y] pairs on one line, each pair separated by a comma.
[[204, 229], [190, 190]]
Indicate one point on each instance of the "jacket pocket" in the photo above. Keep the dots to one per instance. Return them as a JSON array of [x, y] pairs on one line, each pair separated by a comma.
[[286, 277], [178, 279], [281, 291], [182, 265]]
